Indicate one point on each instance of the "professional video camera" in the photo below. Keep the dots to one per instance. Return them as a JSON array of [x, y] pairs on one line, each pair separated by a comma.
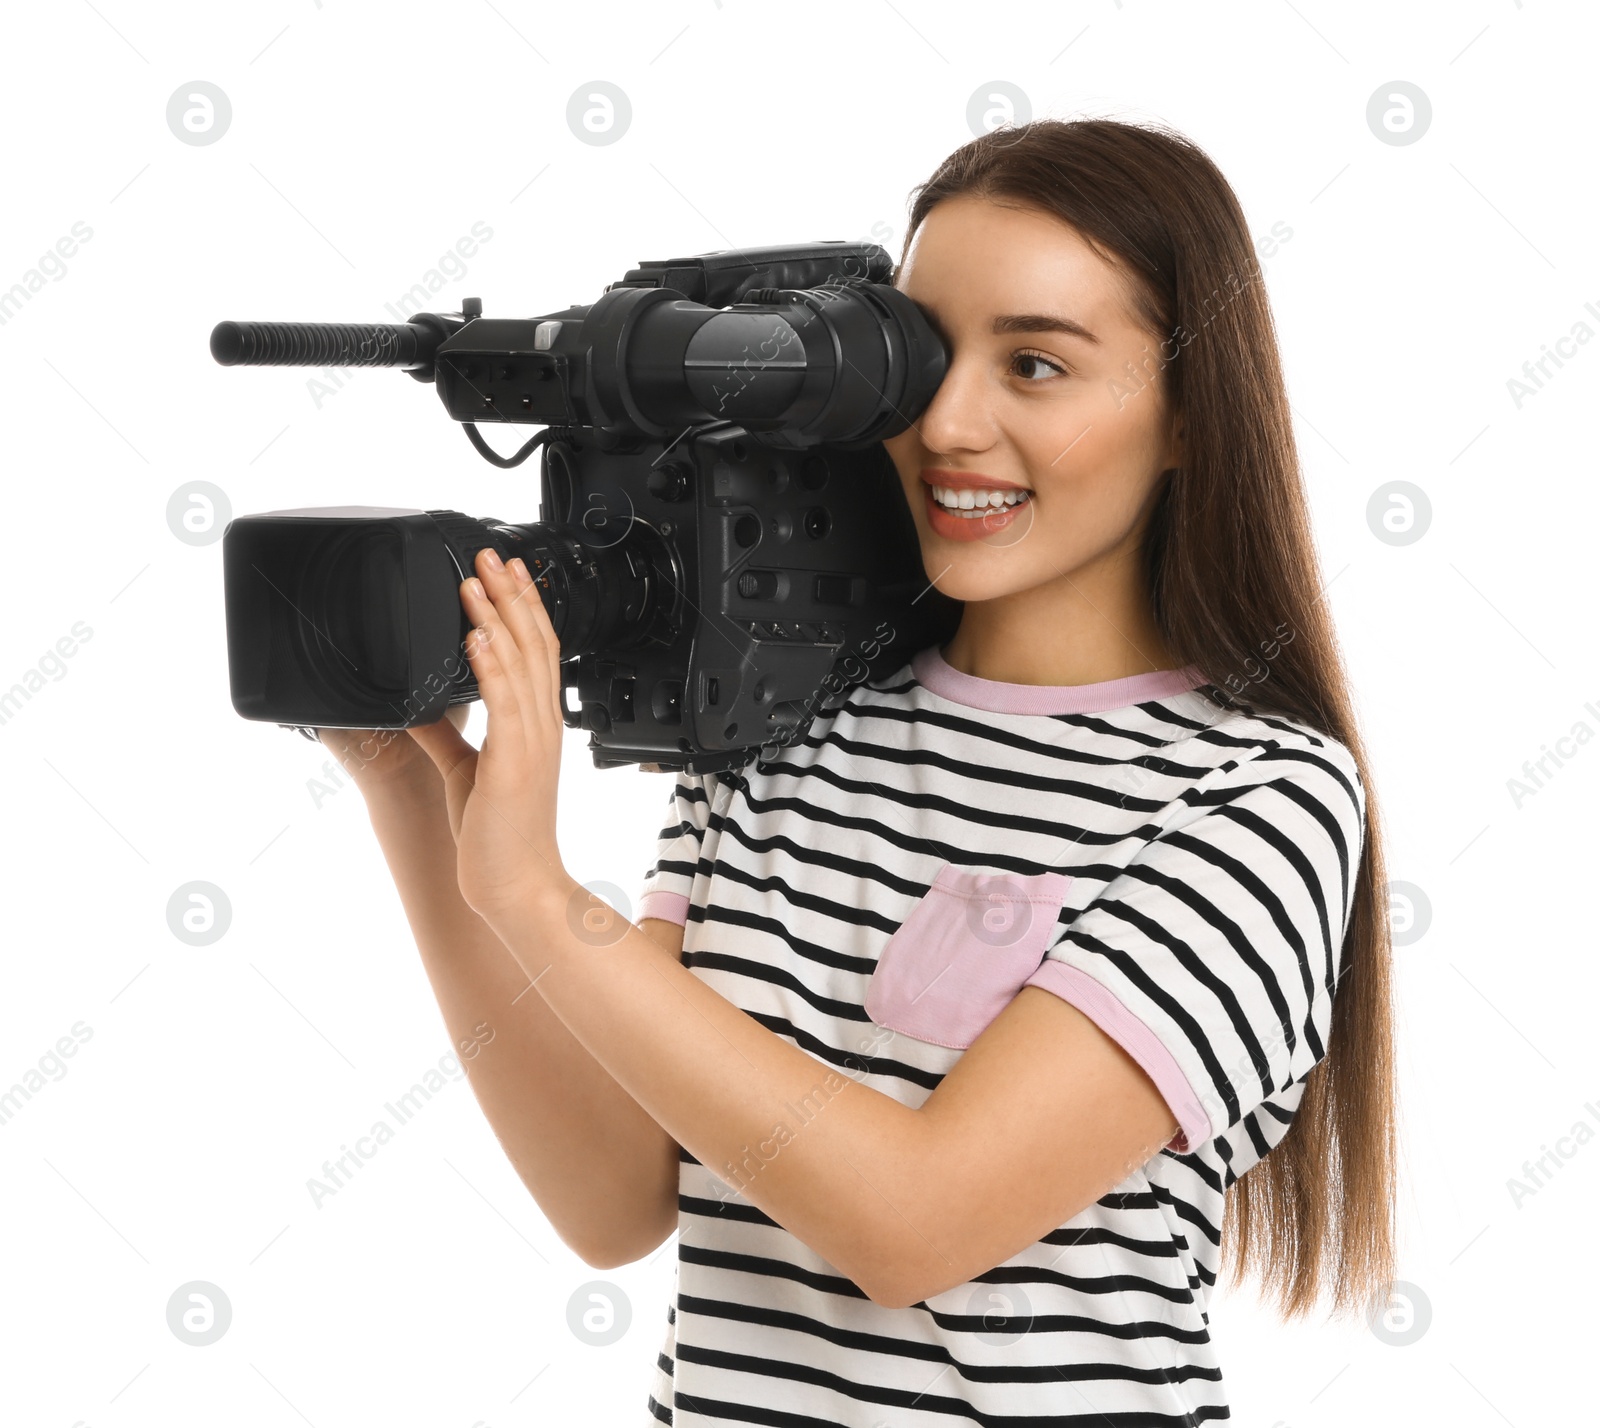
[[722, 538]]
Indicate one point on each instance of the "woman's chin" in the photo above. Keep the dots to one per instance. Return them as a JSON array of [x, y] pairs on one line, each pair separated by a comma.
[[953, 577]]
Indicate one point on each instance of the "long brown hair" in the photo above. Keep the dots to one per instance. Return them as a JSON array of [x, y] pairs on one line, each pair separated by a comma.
[[1231, 561]]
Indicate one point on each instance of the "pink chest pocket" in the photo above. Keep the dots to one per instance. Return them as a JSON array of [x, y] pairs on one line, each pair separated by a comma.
[[964, 952]]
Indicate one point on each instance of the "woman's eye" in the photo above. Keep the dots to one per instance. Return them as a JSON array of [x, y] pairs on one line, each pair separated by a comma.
[[1036, 361]]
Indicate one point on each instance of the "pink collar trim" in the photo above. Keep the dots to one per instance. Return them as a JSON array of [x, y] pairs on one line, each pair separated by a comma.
[[934, 672]]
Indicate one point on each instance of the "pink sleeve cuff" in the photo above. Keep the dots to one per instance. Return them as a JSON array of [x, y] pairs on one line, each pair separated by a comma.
[[668, 906], [1134, 1037]]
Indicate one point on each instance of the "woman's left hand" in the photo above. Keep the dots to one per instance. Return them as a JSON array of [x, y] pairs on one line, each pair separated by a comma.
[[502, 796]]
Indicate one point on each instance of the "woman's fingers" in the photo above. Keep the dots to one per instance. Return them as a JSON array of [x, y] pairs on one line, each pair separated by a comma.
[[521, 609], [529, 596], [498, 667], [505, 589]]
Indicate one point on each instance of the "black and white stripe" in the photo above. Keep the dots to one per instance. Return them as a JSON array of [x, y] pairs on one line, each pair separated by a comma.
[[1212, 855]]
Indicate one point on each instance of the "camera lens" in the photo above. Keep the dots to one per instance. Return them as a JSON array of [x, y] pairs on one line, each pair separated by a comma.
[[353, 633]]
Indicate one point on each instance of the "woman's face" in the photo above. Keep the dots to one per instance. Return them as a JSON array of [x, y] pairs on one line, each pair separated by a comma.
[[1052, 409]]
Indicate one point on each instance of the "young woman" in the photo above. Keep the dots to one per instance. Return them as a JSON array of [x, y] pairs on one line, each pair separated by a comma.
[[956, 1039]]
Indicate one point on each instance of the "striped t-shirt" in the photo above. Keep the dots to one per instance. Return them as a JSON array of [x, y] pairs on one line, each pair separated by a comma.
[[1181, 872]]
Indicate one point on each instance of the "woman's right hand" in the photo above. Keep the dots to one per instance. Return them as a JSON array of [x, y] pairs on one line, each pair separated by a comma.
[[382, 759]]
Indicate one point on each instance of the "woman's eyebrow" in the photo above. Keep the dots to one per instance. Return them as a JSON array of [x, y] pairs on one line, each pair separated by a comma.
[[1041, 322], [1018, 322]]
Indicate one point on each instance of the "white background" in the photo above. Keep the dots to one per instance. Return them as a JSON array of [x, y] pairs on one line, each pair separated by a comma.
[[364, 141]]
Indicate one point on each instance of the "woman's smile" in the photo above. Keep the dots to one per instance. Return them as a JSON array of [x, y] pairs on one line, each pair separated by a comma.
[[971, 523], [966, 505]]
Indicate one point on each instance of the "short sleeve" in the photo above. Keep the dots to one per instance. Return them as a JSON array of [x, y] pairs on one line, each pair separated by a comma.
[[1212, 957], [666, 887]]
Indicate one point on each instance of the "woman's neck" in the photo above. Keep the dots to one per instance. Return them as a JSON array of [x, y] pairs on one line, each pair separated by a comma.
[[1070, 631]]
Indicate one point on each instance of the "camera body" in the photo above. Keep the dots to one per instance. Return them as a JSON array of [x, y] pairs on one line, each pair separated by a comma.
[[722, 539]]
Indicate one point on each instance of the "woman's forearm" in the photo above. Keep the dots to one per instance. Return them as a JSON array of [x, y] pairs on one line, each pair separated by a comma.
[[859, 1177], [603, 1172]]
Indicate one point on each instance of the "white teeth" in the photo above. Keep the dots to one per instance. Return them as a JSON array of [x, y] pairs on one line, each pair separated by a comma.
[[978, 501]]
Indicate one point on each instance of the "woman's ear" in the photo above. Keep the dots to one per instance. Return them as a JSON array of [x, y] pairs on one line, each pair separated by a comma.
[[1175, 446]]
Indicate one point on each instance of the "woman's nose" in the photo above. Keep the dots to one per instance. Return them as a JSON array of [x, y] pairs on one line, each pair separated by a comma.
[[958, 418]]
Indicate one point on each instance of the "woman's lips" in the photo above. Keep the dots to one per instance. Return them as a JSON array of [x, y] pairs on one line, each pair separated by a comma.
[[965, 480], [953, 527]]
